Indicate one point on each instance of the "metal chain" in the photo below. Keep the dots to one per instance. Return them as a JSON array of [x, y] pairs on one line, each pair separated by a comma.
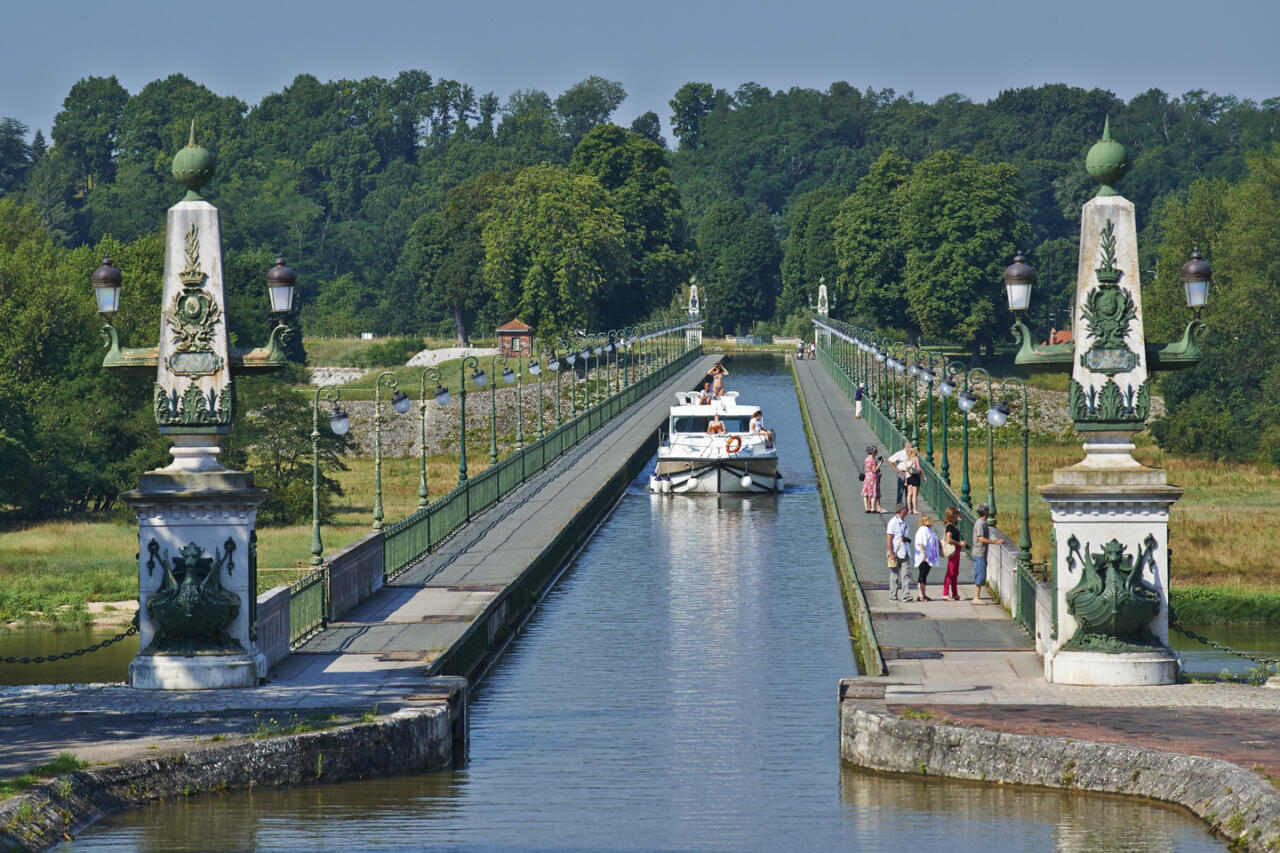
[[77, 653], [1200, 638]]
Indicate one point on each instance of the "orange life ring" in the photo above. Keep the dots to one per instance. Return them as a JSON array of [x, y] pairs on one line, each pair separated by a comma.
[[734, 444]]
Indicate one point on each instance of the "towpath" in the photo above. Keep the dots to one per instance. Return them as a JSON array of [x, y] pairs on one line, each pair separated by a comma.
[[975, 665]]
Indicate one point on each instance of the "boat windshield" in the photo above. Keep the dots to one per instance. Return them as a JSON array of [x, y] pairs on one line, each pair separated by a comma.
[[698, 423]]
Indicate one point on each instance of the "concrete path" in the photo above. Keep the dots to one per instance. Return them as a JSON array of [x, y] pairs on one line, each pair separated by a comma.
[[975, 665], [377, 660]]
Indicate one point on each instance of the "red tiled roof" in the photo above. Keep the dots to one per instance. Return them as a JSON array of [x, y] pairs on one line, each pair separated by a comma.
[[515, 326]]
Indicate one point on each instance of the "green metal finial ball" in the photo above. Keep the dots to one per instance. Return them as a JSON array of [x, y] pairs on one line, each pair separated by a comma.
[[193, 167], [1107, 161]]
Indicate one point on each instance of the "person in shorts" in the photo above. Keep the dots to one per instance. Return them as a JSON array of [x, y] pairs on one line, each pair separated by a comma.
[[981, 540]]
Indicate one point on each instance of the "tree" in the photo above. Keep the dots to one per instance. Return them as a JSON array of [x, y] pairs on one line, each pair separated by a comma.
[[551, 245], [739, 264], [634, 172], [962, 221], [587, 104], [15, 154], [808, 253], [690, 105], [86, 129], [869, 247], [649, 126]]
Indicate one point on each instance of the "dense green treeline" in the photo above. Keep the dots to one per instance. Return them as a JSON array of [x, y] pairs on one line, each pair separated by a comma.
[[416, 205]]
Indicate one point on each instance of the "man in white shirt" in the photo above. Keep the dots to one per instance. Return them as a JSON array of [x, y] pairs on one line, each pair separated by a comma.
[[897, 540], [898, 462]]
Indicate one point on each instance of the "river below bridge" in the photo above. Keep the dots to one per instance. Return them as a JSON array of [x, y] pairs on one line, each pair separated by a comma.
[[675, 691]]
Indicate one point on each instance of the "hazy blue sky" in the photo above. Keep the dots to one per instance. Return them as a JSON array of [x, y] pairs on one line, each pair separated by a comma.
[[933, 48]]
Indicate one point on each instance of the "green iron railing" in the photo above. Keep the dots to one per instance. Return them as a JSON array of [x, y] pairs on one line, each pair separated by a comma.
[[308, 605], [409, 540]]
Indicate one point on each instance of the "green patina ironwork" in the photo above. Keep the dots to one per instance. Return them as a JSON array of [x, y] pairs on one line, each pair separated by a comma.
[[1112, 605], [1108, 407], [194, 408], [1107, 161], [192, 610], [193, 166]]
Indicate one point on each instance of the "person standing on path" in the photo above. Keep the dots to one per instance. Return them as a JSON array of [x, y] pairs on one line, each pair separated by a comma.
[[871, 481], [898, 462], [915, 477], [981, 539], [857, 402], [952, 539], [926, 553], [897, 541]]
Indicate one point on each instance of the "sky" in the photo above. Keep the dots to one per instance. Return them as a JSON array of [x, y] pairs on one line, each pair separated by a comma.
[[932, 48]]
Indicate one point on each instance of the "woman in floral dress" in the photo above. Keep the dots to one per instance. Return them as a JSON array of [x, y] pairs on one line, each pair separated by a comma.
[[871, 481]]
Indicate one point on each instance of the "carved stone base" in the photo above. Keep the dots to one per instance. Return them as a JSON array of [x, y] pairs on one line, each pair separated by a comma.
[[1103, 669], [198, 672]]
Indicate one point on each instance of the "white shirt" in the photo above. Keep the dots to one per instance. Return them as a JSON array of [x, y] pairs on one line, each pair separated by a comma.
[[897, 528], [926, 546], [899, 460], [756, 425]]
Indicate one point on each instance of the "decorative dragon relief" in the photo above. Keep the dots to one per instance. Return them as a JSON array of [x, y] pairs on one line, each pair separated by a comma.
[[192, 610], [1112, 605], [1108, 311]]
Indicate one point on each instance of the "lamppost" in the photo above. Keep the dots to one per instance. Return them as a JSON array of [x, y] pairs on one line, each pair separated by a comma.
[[571, 358], [998, 415], [477, 376], [914, 371], [991, 475], [399, 402], [628, 340], [339, 422], [556, 363], [508, 376], [543, 354], [965, 402], [441, 395], [518, 345], [929, 375]]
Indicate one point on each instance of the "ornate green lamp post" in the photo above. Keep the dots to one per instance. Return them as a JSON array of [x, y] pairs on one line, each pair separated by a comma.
[[197, 569], [339, 422], [441, 395], [991, 476], [477, 376], [964, 402], [625, 345], [542, 354], [518, 345], [1111, 583], [914, 372], [998, 416], [926, 371], [508, 376], [400, 402], [571, 359]]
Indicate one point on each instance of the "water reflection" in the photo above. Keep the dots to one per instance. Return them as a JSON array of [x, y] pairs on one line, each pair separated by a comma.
[[109, 664], [676, 691]]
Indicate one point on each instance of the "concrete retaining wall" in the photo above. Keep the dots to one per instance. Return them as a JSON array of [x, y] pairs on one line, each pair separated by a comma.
[[355, 573], [273, 624], [1235, 802], [410, 740]]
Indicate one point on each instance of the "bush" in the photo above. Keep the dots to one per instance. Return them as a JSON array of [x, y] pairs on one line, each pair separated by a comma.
[[391, 353]]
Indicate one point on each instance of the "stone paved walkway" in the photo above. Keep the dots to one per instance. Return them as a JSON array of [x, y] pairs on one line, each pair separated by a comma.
[[975, 665], [377, 658]]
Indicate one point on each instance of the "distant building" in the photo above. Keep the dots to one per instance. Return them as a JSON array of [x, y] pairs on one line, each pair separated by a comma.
[[515, 337]]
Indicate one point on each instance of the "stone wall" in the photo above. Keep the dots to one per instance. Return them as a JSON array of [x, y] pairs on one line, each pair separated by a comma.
[[355, 573], [273, 624], [1235, 802], [410, 740]]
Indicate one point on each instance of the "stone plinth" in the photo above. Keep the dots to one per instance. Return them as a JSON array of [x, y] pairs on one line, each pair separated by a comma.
[[215, 511]]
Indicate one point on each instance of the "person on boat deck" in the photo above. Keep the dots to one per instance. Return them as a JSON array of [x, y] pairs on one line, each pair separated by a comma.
[[704, 397], [757, 427], [716, 427], [718, 373]]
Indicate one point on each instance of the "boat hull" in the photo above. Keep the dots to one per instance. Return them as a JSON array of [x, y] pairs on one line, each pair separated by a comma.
[[700, 476]]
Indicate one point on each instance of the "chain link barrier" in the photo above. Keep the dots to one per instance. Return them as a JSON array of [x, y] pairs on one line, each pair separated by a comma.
[[1201, 638], [73, 654]]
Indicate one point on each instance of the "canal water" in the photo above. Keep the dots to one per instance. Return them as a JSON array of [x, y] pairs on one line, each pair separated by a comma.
[[675, 691]]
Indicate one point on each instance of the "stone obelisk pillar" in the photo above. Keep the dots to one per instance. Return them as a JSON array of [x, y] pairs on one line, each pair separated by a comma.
[[196, 518], [1110, 513]]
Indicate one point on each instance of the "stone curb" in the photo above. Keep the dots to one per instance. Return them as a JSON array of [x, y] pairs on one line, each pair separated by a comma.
[[1236, 803], [408, 740]]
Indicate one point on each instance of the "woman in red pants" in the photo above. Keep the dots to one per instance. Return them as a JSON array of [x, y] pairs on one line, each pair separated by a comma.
[[951, 541]]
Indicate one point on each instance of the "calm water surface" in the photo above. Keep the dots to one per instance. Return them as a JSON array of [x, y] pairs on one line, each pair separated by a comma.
[[109, 664], [676, 691]]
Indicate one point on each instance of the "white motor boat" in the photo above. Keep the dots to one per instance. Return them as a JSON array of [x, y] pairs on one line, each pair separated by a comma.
[[692, 461]]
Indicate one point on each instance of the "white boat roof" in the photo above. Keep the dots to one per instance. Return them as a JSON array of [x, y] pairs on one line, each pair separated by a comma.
[[687, 404]]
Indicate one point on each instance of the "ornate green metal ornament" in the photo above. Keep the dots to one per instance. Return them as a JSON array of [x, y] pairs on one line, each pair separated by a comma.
[[193, 167], [1107, 161], [1111, 603], [192, 609]]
